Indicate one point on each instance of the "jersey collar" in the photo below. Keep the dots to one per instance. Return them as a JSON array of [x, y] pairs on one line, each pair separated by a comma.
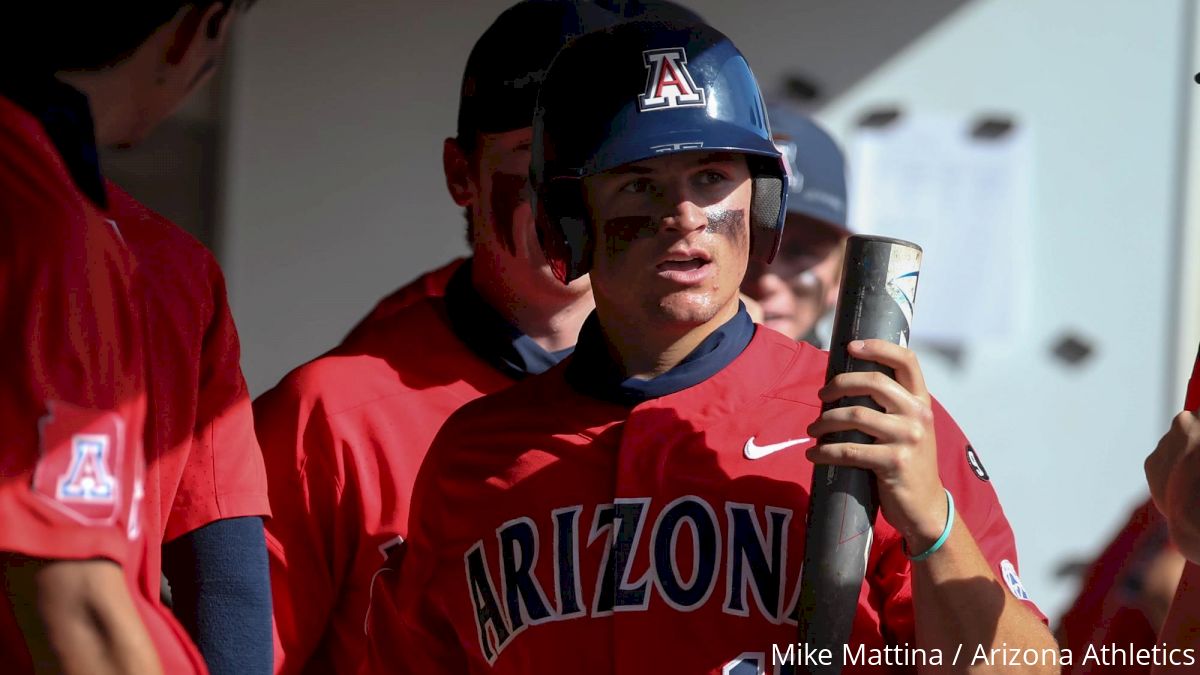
[[592, 371], [489, 335], [65, 116]]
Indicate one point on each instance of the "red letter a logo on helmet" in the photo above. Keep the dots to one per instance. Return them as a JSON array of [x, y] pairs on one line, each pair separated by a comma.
[[668, 82]]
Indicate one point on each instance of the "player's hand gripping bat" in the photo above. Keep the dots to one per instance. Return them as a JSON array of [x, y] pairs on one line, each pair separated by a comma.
[[879, 286]]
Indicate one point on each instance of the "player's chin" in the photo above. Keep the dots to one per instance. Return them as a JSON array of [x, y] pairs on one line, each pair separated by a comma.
[[689, 308]]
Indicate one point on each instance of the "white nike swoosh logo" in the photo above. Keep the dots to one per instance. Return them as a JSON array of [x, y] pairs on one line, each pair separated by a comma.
[[755, 451]]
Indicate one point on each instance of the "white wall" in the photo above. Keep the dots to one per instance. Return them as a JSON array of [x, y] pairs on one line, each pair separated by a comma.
[[334, 196], [1101, 85]]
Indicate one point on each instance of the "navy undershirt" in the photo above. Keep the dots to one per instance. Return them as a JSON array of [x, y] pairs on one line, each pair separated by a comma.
[[489, 335], [219, 575], [221, 593], [592, 371]]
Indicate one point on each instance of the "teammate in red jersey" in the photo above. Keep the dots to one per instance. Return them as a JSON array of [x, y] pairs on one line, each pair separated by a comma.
[[106, 75], [73, 406], [640, 507], [344, 435]]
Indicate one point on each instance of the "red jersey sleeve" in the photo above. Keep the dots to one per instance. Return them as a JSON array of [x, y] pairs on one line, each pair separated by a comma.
[[975, 500], [432, 284], [224, 476], [72, 386]]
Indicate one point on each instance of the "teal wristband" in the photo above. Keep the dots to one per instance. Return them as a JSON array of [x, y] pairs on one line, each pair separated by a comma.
[[940, 540]]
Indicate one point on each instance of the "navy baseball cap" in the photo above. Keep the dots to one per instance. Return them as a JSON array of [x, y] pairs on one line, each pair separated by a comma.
[[509, 61], [817, 188]]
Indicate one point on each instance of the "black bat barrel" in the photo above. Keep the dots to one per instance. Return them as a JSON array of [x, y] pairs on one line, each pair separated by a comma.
[[879, 286]]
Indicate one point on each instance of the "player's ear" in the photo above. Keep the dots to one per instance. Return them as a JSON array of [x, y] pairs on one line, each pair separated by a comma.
[[457, 166], [198, 32]]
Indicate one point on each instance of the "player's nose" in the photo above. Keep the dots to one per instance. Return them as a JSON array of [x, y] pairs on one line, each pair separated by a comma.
[[682, 214]]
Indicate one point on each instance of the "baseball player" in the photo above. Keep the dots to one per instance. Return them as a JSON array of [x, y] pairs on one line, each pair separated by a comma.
[[200, 485], [344, 435], [801, 284], [73, 411], [640, 507]]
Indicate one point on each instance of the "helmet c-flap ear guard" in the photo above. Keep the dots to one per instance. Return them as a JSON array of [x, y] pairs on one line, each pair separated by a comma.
[[768, 201], [639, 90]]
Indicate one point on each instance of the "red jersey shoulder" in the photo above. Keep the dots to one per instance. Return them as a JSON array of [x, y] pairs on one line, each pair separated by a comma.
[[414, 350], [30, 168], [164, 244], [432, 284], [39, 205]]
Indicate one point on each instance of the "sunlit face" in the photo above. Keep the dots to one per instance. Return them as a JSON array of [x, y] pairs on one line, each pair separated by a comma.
[[801, 285], [502, 223], [671, 237]]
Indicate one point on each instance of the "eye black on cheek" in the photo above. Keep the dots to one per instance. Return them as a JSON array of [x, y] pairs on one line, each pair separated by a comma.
[[508, 192], [726, 223], [620, 232]]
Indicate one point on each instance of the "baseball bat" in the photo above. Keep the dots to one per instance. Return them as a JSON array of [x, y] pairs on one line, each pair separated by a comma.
[[879, 286]]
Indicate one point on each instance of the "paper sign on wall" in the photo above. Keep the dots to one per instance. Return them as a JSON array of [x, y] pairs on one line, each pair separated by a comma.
[[959, 186]]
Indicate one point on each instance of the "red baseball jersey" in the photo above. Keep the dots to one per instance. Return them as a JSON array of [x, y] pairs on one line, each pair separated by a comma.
[[205, 461], [343, 437], [556, 532], [73, 388], [432, 284]]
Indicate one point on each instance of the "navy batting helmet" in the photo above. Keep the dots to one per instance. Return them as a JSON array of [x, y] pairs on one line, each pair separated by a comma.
[[816, 166], [638, 90]]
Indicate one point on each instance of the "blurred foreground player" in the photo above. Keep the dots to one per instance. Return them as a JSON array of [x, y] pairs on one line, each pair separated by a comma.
[[90, 338], [801, 284], [344, 435], [1173, 472], [1124, 595], [639, 508]]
